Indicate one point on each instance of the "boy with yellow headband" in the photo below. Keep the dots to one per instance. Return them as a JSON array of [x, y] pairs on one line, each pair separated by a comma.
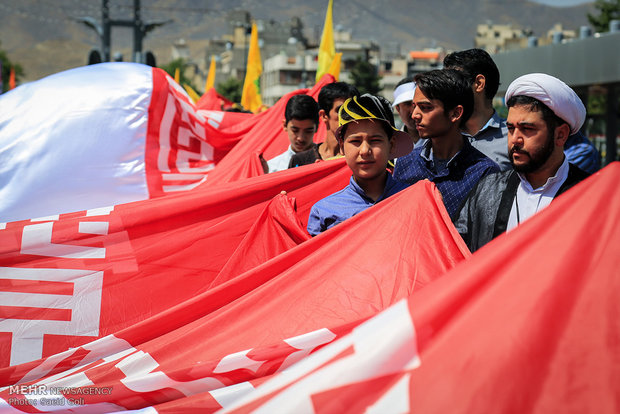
[[368, 140]]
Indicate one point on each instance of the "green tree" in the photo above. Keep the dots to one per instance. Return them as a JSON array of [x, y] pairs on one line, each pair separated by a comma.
[[365, 77], [6, 70], [608, 10], [230, 89], [182, 65]]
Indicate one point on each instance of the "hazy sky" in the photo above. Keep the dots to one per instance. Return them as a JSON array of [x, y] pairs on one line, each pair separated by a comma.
[[562, 3]]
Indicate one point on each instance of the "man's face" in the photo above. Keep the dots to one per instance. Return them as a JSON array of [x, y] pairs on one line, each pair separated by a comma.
[[429, 116], [530, 143], [300, 133], [331, 118], [366, 149], [405, 110]]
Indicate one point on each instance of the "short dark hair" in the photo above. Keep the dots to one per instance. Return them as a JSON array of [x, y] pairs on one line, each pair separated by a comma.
[[335, 90], [408, 79], [448, 86], [551, 119], [301, 107], [474, 62]]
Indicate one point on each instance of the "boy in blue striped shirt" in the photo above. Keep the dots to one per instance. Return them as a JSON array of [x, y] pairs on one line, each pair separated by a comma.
[[368, 140]]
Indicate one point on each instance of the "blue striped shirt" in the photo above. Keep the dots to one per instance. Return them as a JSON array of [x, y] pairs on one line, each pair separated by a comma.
[[346, 203], [455, 182]]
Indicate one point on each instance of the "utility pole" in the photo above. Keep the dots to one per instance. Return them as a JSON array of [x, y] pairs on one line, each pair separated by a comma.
[[106, 39], [136, 24], [104, 30], [137, 32]]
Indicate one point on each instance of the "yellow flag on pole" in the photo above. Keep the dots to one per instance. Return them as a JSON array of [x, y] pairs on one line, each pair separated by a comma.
[[191, 92], [250, 97], [210, 83], [334, 68], [327, 50]]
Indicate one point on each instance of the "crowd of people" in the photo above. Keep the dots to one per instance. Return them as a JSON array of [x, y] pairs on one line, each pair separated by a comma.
[[492, 173]]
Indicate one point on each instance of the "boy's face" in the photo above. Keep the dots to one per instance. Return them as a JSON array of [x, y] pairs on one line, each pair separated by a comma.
[[429, 116], [331, 118], [367, 149], [300, 133], [405, 109]]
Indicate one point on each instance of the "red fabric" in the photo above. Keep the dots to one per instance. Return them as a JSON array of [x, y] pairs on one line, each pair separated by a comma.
[[309, 294], [528, 324], [182, 145], [185, 142], [190, 235], [545, 296], [276, 230], [211, 100], [266, 137]]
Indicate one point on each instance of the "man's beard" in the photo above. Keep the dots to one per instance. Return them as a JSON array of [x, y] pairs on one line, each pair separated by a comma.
[[536, 159]]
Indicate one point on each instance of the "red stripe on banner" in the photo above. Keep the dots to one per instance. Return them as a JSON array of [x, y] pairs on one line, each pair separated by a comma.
[[28, 313], [36, 286]]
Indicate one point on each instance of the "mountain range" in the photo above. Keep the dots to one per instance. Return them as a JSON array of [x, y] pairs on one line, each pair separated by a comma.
[[45, 37]]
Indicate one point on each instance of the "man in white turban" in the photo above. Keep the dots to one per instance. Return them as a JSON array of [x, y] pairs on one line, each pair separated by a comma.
[[542, 113]]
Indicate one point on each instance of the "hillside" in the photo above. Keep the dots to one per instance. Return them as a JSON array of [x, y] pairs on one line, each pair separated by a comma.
[[45, 38]]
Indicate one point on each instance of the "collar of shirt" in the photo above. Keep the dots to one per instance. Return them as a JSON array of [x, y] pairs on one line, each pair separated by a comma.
[[280, 162], [427, 155], [386, 191], [495, 121], [553, 183], [529, 201]]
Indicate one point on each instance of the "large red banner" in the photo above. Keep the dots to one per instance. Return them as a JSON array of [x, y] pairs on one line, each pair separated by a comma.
[[166, 335], [528, 324]]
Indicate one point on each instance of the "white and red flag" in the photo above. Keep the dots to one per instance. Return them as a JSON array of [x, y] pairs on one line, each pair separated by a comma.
[[119, 132], [102, 135]]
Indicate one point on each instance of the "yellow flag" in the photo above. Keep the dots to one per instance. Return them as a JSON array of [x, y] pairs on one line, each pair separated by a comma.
[[334, 68], [250, 97], [192, 93], [177, 75], [210, 83], [327, 50]]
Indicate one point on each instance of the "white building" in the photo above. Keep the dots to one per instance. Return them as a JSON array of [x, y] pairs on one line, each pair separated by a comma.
[[284, 73]]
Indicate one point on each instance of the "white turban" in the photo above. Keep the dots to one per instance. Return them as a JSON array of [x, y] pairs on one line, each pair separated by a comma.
[[404, 93], [554, 93]]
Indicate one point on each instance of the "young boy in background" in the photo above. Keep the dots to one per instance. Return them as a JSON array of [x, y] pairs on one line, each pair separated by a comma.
[[368, 140], [301, 120], [331, 98]]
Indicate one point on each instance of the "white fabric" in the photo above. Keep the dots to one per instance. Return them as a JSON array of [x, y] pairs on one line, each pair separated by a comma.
[[554, 93], [280, 162], [404, 93], [532, 200], [74, 141]]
